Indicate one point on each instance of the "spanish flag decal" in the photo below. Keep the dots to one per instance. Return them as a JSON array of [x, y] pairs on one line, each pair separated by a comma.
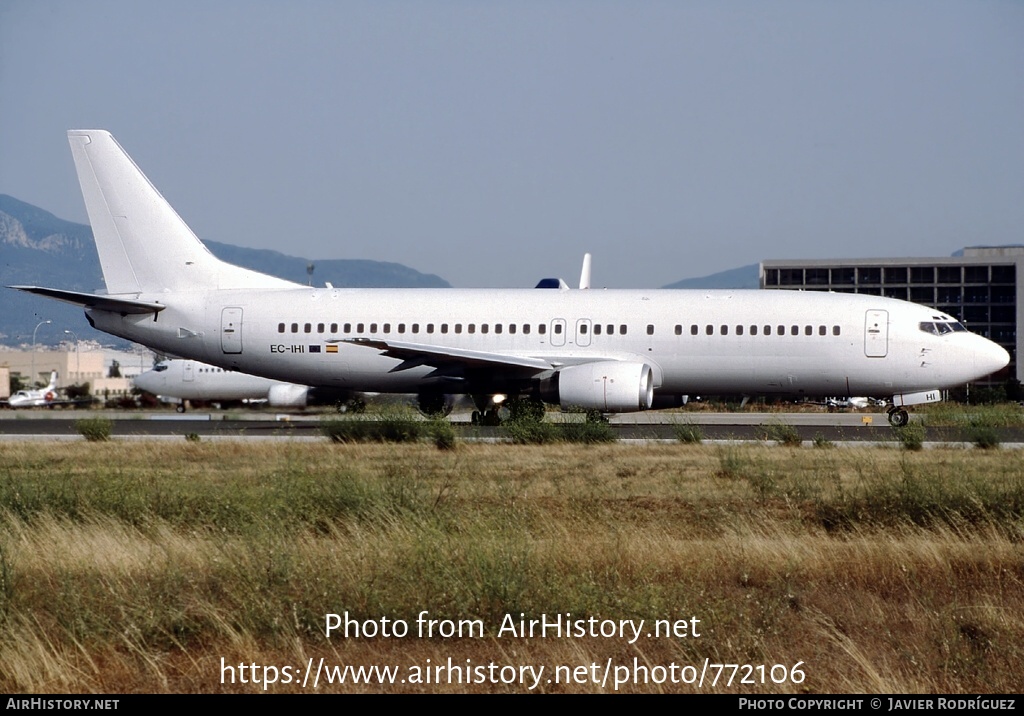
[[332, 349]]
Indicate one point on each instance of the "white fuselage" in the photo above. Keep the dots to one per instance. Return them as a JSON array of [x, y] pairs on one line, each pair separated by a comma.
[[192, 380], [707, 342]]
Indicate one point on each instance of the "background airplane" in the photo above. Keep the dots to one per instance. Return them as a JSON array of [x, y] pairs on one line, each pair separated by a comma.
[[39, 397], [186, 380]]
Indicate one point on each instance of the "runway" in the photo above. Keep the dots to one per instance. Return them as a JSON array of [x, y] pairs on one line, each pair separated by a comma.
[[652, 426]]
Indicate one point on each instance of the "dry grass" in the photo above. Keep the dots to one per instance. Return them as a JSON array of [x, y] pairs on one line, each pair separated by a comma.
[[139, 567]]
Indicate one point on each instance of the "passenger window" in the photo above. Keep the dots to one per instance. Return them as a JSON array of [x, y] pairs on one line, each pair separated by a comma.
[[295, 328], [724, 330], [753, 330], [430, 328], [821, 330], [739, 330], [511, 328], [373, 328], [444, 328], [794, 330], [415, 328], [280, 328], [458, 328], [693, 329], [401, 328], [597, 329], [709, 329], [361, 328], [472, 328], [387, 328], [497, 328], [348, 328], [334, 328], [583, 329], [622, 329], [558, 329], [320, 328], [308, 328], [679, 330], [542, 329], [782, 330], [835, 330], [767, 330], [526, 328], [650, 329], [808, 330]]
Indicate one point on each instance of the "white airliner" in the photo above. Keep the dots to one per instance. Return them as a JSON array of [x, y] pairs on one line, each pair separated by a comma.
[[609, 350], [184, 380], [37, 398]]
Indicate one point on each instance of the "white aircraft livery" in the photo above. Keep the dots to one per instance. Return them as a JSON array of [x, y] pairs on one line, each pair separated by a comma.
[[191, 380], [606, 350], [41, 397]]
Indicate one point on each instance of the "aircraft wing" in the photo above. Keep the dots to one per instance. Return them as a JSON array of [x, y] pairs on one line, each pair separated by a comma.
[[444, 358], [97, 301]]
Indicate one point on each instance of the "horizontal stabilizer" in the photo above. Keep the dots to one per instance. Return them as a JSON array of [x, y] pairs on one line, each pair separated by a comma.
[[96, 301]]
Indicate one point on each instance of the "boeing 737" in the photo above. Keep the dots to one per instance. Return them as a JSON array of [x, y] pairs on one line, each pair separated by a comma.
[[185, 380], [606, 350]]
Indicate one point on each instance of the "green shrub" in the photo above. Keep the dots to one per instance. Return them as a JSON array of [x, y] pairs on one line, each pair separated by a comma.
[[983, 436], [525, 409], [531, 432], [689, 433], [588, 430], [442, 433], [95, 430], [783, 434], [910, 436], [820, 441], [347, 431]]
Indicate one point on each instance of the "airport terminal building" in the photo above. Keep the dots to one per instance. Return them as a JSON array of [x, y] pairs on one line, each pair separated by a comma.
[[981, 287]]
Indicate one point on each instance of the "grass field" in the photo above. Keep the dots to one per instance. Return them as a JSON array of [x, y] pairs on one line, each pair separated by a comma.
[[146, 567]]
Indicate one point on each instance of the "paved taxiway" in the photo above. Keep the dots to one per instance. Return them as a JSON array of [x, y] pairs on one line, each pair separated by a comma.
[[654, 425]]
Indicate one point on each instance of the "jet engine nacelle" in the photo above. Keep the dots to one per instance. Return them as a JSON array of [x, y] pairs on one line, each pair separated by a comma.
[[608, 386], [288, 396]]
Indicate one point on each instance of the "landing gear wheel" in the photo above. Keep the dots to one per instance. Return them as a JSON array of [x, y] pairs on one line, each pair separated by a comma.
[[898, 417], [180, 407]]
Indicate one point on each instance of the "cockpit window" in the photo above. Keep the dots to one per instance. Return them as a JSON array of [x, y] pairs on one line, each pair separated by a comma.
[[159, 367], [939, 328]]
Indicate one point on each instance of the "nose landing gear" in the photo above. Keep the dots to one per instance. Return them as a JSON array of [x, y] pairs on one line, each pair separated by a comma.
[[898, 417]]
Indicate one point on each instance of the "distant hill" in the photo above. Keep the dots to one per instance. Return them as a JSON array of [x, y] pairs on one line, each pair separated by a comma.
[[37, 248], [742, 277]]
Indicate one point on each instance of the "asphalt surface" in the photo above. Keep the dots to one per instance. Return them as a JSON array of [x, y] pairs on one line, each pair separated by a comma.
[[654, 425]]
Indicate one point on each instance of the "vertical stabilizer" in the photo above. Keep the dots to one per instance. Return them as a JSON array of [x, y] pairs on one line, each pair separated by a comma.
[[144, 246]]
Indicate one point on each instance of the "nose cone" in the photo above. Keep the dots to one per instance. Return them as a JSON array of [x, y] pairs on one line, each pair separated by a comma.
[[989, 357], [149, 381]]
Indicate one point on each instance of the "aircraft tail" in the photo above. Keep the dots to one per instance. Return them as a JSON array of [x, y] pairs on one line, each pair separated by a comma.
[[53, 381], [144, 246]]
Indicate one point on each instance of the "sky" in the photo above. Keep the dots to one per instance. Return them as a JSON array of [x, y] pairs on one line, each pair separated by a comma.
[[493, 143]]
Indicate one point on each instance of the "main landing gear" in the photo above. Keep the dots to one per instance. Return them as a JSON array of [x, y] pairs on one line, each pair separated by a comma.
[[486, 417]]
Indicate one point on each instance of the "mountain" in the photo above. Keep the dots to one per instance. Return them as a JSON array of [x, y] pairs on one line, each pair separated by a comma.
[[742, 277], [38, 249]]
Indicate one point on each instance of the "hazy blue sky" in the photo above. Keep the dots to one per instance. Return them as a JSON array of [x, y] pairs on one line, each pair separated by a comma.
[[493, 143]]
